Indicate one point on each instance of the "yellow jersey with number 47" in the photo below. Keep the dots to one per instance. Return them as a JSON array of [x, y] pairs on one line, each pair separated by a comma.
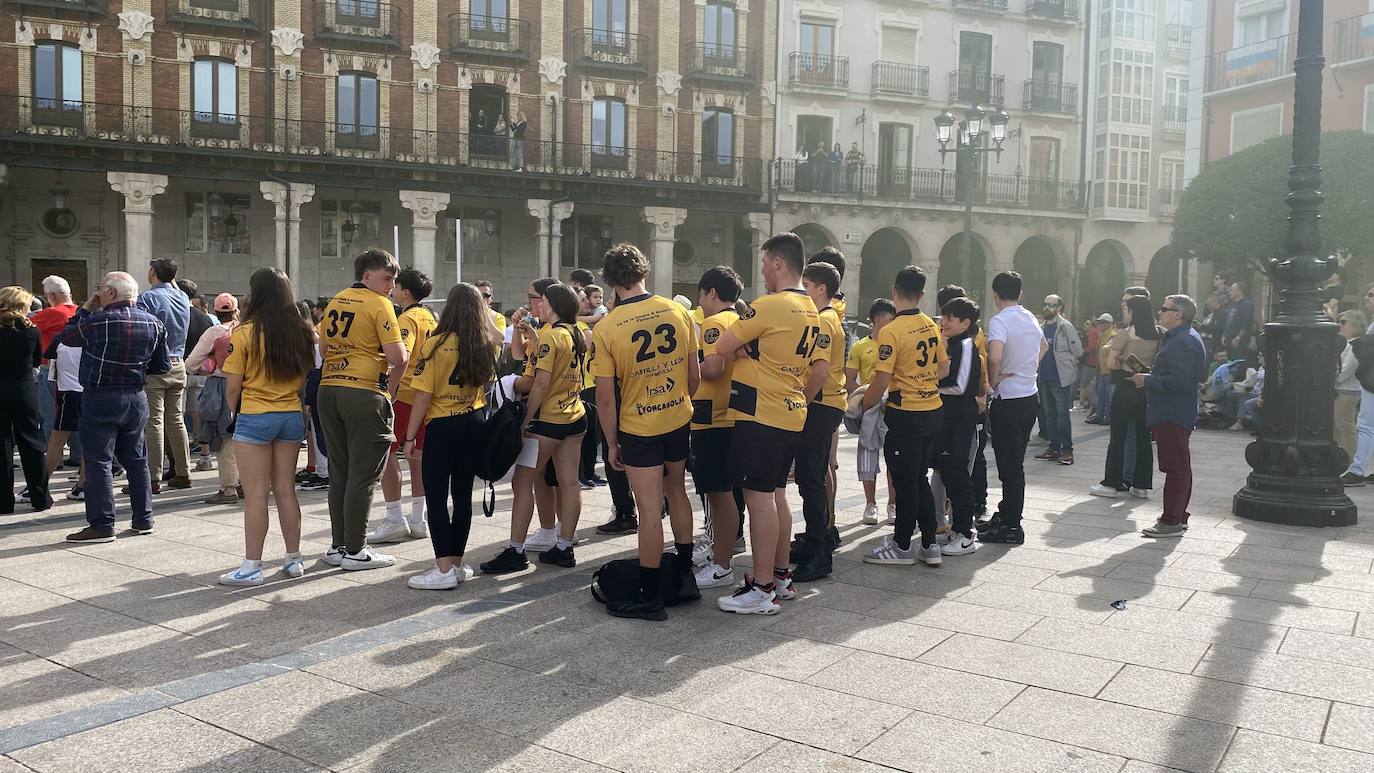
[[909, 348], [436, 361], [643, 343], [782, 332], [357, 324]]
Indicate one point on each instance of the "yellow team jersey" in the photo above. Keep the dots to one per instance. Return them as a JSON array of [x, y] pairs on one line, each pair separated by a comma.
[[980, 344], [435, 362], [356, 325], [699, 316], [862, 357], [711, 403], [261, 394], [563, 402], [643, 343], [909, 348], [417, 323], [839, 305], [586, 330], [832, 393], [783, 333]]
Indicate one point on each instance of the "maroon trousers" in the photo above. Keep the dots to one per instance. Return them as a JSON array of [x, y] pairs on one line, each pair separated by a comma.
[[1176, 462]]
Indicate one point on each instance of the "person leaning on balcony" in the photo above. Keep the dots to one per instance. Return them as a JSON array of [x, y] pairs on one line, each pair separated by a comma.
[[853, 161], [517, 130]]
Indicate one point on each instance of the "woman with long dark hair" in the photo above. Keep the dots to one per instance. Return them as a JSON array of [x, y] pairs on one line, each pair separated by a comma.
[[450, 375], [269, 355], [1132, 348]]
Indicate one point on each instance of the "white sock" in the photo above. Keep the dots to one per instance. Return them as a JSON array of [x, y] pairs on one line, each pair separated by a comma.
[[393, 512], [322, 466], [417, 510], [249, 566], [519, 547], [564, 544], [292, 557]]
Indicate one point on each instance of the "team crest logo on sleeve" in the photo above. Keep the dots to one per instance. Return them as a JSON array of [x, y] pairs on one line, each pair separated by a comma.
[[748, 312], [231, 348], [405, 332], [885, 352], [543, 350], [711, 335], [823, 341], [419, 367]]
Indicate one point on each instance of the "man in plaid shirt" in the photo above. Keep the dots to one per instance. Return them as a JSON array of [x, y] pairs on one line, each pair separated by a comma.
[[121, 344]]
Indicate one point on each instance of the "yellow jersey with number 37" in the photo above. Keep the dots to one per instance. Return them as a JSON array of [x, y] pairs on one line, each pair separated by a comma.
[[417, 323], [910, 349], [643, 343], [357, 324], [782, 332]]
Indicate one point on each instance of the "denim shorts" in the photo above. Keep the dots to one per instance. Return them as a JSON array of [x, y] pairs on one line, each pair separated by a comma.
[[275, 427]]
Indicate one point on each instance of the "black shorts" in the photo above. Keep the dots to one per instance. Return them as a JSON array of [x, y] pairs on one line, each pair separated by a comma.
[[67, 416], [711, 460], [641, 451], [761, 456], [559, 431]]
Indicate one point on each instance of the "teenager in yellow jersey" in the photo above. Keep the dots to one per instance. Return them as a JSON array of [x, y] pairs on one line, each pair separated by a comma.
[[451, 371], [911, 362], [858, 370], [781, 361], [360, 342], [645, 363], [269, 355], [712, 425], [417, 322], [815, 478], [586, 468]]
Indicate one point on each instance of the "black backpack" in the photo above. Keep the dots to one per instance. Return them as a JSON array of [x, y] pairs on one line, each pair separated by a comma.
[[500, 440], [1363, 348], [619, 580]]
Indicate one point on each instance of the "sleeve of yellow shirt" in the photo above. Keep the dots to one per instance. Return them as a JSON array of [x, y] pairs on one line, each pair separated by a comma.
[[853, 360], [549, 341], [237, 361], [388, 328], [710, 336], [603, 359], [690, 325], [410, 332], [887, 351], [749, 326]]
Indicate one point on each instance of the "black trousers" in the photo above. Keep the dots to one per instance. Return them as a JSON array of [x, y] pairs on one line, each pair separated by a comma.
[[448, 466], [980, 467], [621, 497], [21, 424], [586, 469], [812, 461], [1011, 424], [958, 442], [1128, 408], [910, 450]]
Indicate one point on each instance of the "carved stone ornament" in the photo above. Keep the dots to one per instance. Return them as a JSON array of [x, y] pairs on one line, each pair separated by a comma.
[[288, 40], [553, 69], [138, 189], [135, 24], [770, 92], [23, 32], [424, 54], [423, 204], [88, 42], [464, 80], [669, 82]]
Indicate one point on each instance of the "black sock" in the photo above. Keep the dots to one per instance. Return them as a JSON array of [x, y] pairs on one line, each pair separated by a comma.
[[649, 586], [684, 553], [898, 542]]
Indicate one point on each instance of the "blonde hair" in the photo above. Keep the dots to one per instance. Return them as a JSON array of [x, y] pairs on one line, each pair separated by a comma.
[[14, 306]]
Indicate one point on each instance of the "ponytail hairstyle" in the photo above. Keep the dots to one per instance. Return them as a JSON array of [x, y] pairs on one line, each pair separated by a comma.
[[466, 317], [283, 339], [562, 301]]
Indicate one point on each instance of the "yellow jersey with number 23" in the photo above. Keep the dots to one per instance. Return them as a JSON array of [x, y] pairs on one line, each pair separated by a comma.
[[783, 334], [643, 343]]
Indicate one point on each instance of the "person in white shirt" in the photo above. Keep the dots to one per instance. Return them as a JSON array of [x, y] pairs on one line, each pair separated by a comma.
[[1015, 345], [64, 370]]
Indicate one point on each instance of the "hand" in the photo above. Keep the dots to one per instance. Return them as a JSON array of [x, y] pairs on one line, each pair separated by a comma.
[[1139, 379], [525, 429], [95, 303], [742, 353], [412, 453], [518, 315], [613, 458], [982, 401]]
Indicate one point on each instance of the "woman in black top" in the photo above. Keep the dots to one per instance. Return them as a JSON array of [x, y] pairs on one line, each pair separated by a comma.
[[517, 130], [20, 422]]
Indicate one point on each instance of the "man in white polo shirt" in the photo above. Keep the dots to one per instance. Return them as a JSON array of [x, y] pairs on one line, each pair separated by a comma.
[[1015, 345]]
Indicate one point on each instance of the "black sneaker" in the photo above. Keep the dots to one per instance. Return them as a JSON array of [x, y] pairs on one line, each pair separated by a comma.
[[92, 534], [510, 560], [1004, 534], [835, 541], [305, 475], [556, 555], [638, 609], [1351, 480], [800, 550], [316, 483], [621, 524], [986, 522], [816, 566], [142, 527]]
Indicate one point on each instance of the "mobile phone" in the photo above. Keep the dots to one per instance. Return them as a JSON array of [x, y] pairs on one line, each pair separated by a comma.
[[1134, 364]]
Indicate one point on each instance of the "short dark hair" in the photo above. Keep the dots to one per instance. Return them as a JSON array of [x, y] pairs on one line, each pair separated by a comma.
[[961, 307], [165, 269], [581, 276], [1225, 277], [374, 260], [724, 280], [1137, 290], [910, 283], [823, 274], [1007, 286], [591, 288], [543, 284], [832, 256], [789, 247], [416, 282], [948, 293], [191, 289], [882, 306], [624, 265]]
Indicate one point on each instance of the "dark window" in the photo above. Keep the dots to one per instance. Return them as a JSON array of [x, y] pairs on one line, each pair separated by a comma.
[[609, 129], [361, 13], [357, 106], [717, 138], [215, 97], [57, 83]]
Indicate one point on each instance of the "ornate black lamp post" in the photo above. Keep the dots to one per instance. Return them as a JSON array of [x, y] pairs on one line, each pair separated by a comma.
[[967, 148], [1295, 464]]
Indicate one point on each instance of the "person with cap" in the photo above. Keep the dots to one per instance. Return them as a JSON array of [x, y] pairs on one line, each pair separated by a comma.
[[1099, 336], [207, 358]]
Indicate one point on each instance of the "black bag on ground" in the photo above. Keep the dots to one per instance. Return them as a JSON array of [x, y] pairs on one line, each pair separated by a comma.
[[619, 580], [1363, 349], [500, 441]]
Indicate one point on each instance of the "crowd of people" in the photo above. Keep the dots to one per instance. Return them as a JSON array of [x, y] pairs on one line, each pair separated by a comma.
[[746, 396]]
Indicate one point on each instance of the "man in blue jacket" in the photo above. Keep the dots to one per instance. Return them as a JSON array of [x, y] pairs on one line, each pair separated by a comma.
[[1171, 409]]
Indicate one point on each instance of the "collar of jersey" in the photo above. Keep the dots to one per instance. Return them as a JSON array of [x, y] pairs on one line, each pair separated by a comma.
[[909, 313], [635, 299], [413, 306], [358, 286], [796, 290]]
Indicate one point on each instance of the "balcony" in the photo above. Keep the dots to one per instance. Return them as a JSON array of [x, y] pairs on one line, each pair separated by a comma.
[[497, 37], [1167, 205], [1253, 63], [820, 71], [610, 50], [225, 14], [719, 63], [1175, 120], [1178, 39], [359, 21], [1061, 11], [871, 181], [1354, 39], [90, 7], [984, 6], [977, 87], [1046, 96], [894, 79]]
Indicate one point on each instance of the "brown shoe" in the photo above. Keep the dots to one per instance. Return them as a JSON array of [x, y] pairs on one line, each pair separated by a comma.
[[179, 482], [157, 488], [1047, 455], [1066, 459], [221, 498]]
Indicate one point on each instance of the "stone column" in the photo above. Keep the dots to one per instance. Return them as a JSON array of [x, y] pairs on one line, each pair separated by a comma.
[[664, 222], [423, 206], [550, 232], [760, 224], [138, 190], [288, 203]]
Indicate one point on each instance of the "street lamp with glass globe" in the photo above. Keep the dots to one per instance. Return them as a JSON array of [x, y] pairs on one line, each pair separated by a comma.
[[967, 148]]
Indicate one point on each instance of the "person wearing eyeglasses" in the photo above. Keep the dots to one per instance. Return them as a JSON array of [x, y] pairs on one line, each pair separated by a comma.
[[1058, 377], [1171, 389]]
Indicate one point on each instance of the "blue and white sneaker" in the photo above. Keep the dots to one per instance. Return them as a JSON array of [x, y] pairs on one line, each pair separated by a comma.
[[294, 567], [247, 575]]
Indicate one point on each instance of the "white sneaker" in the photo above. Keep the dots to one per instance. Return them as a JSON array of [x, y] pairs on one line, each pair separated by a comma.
[[204, 464], [782, 587], [959, 546], [870, 517], [437, 580], [367, 558], [887, 552], [418, 530], [334, 557], [541, 540], [891, 513], [390, 531], [1099, 490], [1140, 493], [242, 578], [932, 556], [749, 600], [702, 551], [293, 568], [713, 575]]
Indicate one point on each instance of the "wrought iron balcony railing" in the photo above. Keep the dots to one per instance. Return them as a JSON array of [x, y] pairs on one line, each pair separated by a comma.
[[81, 6], [904, 80], [1055, 10], [716, 61], [495, 36], [1178, 38], [852, 181], [820, 70], [610, 49], [996, 6], [1354, 38], [1168, 201], [1041, 95], [1253, 63], [359, 21], [243, 14], [976, 86]]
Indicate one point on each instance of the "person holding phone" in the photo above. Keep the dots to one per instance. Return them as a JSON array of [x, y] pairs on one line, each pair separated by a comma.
[[1132, 351]]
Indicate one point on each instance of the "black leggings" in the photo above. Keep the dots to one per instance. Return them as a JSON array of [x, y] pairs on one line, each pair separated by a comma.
[[448, 466]]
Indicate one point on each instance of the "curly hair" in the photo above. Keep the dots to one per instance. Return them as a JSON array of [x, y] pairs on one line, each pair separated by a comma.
[[624, 266], [14, 306], [465, 316]]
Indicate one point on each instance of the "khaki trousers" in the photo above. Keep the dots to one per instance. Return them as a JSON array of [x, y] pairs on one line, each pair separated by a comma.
[[166, 396]]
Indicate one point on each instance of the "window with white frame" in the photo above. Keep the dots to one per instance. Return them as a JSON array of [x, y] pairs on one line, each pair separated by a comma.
[[347, 229], [1249, 127], [218, 223], [1132, 84], [1133, 19], [1128, 171], [1176, 98], [214, 94], [1260, 21]]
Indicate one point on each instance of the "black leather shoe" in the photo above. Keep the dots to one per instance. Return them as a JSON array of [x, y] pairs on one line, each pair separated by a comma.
[[1003, 534], [619, 525]]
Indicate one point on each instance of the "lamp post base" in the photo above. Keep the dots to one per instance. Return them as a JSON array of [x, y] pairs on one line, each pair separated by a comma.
[[1294, 501]]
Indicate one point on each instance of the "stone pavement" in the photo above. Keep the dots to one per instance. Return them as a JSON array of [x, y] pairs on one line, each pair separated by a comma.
[[1242, 647]]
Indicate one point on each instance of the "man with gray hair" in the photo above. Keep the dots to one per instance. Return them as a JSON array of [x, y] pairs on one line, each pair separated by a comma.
[[121, 344], [50, 320], [1171, 409]]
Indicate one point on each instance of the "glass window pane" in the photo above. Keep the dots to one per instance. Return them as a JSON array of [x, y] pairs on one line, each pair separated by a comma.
[[599, 108], [329, 229], [725, 137], [620, 15], [195, 222], [618, 127], [601, 14], [71, 75], [228, 92], [727, 29], [347, 103], [367, 102], [203, 88], [45, 75]]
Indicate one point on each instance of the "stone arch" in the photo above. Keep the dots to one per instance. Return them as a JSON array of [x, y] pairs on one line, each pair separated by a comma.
[[1103, 278], [815, 237], [1037, 260], [973, 277], [885, 252], [1163, 279]]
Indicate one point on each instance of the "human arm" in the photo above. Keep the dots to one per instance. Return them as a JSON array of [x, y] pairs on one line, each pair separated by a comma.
[[713, 367], [693, 374], [202, 348], [995, 351], [876, 389], [851, 380], [1075, 343], [161, 361], [396, 358], [233, 390], [815, 381], [539, 389], [960, 364], [418, 408]]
